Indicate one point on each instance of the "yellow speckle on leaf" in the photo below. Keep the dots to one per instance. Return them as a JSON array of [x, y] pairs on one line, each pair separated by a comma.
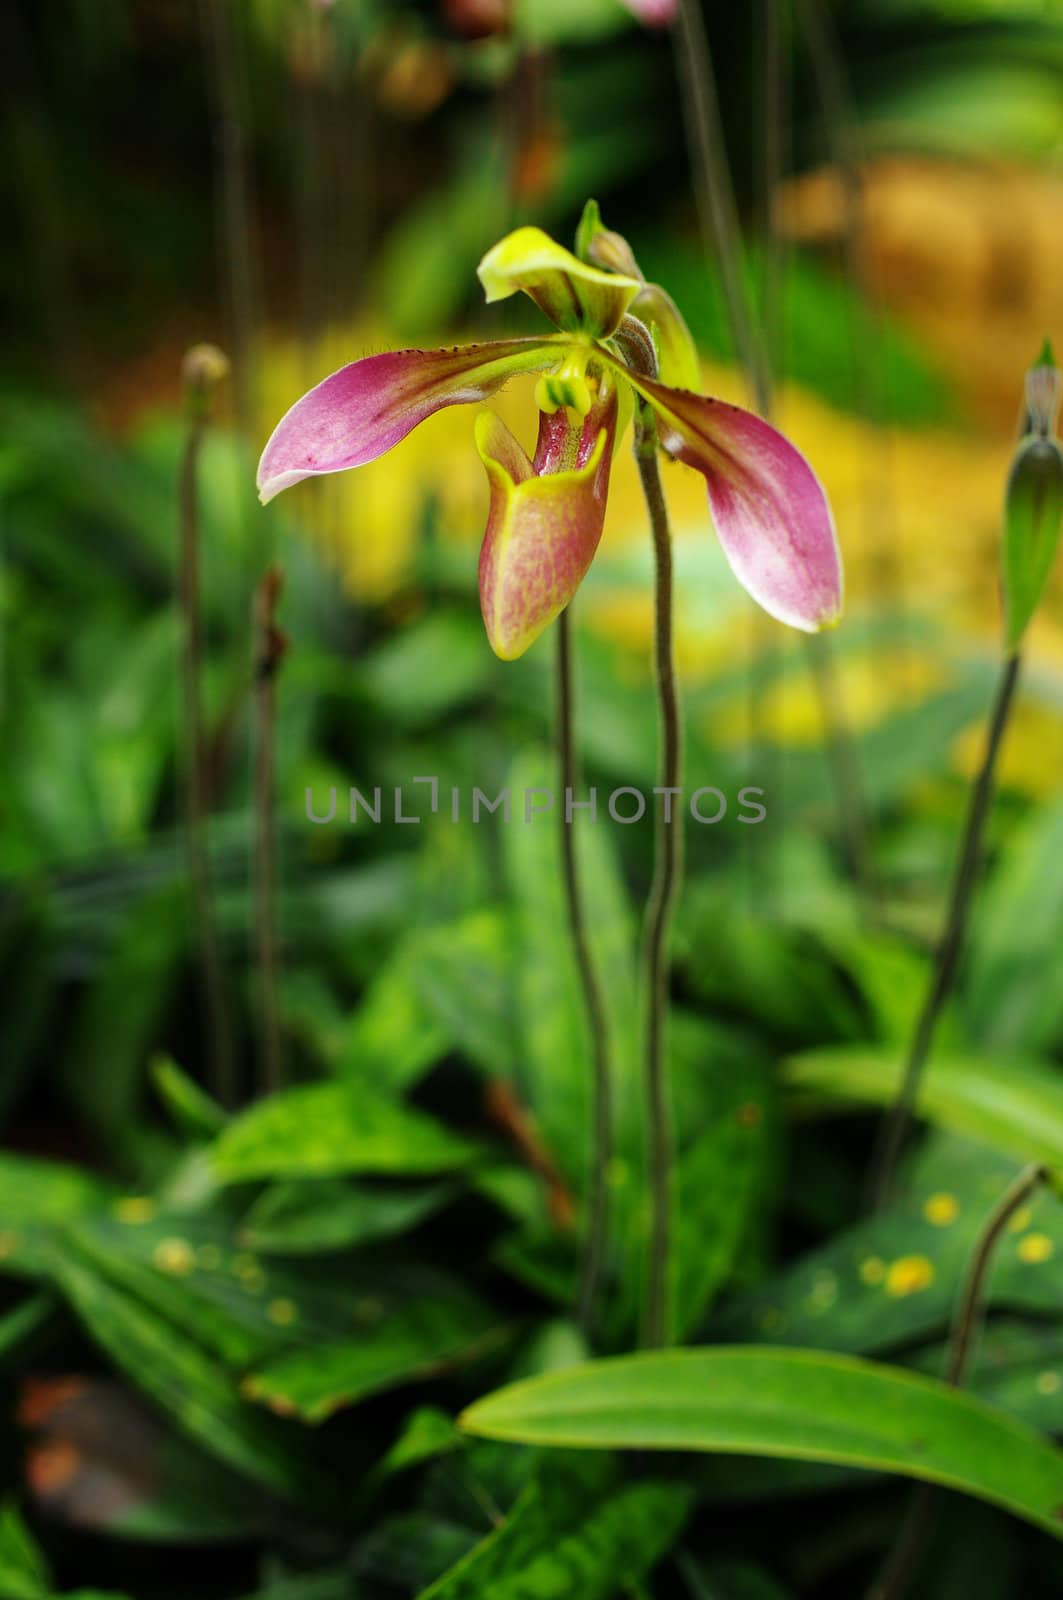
[[1035, 1247], [1048, 1383], [873, 1270], [941, 1209], [175, 1256], [1020, 1221], [8, 1243], [209, 1257], [823, 1293], [249, 1273], [909, 1274], [772, 1320], [135, 1208], [282, 1312]]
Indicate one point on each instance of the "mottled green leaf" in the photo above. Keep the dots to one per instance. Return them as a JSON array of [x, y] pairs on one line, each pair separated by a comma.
[[179, 1375], [399, 1342], [804, 1404], [892, 1279], [721, 1111], [566, 1536], [36, 1196], [315, 1217], [333, 1128]]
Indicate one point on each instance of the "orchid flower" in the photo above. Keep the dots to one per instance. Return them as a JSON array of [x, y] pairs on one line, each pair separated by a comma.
[[546, 513]]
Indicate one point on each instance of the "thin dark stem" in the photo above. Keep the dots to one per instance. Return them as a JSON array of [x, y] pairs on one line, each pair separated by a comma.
[[713, 192], [196, 799], [270, 645], [845, 767], [899, 1568], [667, 875], [895, 1127], [597, 1242], [234, 200]]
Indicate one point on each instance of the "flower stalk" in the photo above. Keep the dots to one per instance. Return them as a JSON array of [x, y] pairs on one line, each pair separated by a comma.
[[596, 1248], [271, 644], [894, 1129], [1033, 522], [901, 1563], [664, 892], [203, 370]]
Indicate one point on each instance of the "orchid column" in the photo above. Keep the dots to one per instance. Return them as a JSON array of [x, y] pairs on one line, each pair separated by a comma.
[[546, 512]]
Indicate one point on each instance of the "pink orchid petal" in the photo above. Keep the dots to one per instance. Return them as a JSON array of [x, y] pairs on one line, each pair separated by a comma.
[[364, 409], [544, 522], [769, 509]]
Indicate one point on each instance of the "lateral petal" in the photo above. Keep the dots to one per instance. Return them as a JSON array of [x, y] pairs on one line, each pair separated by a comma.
[[769, 509], [365, 408]]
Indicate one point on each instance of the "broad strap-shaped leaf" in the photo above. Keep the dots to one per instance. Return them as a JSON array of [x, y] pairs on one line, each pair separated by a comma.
[[768, 507], [36, 1197], [892, 1279], [327, 1129], [366, 408], [802, 1404], [571, 1532], [406, 1340], [545, 519], [197, 1392], [576, 297], [1016, 1106]]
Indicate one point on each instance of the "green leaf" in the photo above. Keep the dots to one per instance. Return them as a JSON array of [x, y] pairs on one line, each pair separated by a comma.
[[105, 1064], [191, 1109], [315, 1217], [180, 1376], [568, 1536], [1013, 998], [1016, 1107], [333, 1128], [20, 1326], [23, 1569], [555, 1069], [402, 1341], [802, 1404], [463, 977], [35, 1197], [720, 1090], [892, 1279]]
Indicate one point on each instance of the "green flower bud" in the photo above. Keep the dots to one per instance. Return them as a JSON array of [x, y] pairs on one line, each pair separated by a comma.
[[677, 356], [1033, 519]]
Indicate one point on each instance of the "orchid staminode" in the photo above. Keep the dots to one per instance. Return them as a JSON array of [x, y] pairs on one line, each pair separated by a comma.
[[546, 513]]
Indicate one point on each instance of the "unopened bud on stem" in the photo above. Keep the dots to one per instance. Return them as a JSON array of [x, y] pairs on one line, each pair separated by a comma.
[[203, 369], [1033, 504]]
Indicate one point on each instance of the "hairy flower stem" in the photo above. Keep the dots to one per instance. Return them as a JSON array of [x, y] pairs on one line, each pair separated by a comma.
[[667, 876], [895, 1126], [270, 646], [597, 1239], [903, 1559], [221, 1069]]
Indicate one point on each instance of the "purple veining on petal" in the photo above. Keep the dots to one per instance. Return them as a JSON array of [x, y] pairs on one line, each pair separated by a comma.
[[769, 508], [365, 408], [545, 520]]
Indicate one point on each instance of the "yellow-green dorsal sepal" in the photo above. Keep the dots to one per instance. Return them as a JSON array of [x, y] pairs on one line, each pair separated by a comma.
[[576, 297]]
